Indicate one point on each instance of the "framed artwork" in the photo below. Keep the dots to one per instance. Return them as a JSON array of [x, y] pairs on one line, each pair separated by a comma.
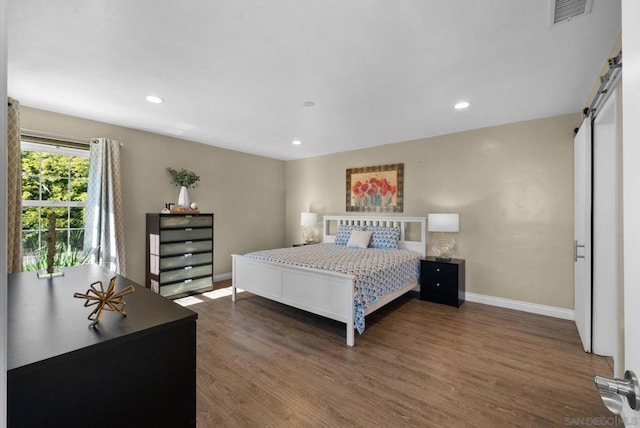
[[376, 188]]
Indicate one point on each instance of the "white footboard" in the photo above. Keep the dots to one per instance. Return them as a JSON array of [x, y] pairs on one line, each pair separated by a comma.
[[324, 293]]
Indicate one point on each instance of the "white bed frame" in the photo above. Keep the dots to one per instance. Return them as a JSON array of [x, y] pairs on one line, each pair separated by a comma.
[[324, 293]]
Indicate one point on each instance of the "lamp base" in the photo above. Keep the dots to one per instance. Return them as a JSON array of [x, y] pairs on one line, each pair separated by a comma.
[[308, 235]]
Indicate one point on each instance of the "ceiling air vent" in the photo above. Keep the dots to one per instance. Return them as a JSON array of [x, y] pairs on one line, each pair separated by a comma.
[[565, 10]]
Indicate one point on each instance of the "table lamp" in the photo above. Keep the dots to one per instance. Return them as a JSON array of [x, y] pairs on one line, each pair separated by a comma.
[[444, 245], [308, 222]]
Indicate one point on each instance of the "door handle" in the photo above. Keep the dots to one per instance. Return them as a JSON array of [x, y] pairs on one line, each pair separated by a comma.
[[612, 391], [576, 256]]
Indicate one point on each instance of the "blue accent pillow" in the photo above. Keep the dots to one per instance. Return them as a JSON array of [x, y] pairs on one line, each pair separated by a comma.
[[384, 237], [344, 233]]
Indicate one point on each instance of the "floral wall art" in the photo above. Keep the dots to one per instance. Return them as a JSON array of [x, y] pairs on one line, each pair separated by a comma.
[[375, 188]]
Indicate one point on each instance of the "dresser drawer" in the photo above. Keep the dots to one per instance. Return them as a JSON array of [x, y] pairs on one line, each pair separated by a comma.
[[184, 273], [186, 286], [186, 234], [182, 221], [185, 260], [186, 247]]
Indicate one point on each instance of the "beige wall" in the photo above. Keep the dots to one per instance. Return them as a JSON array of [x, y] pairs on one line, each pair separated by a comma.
[[511, 184], [245, 192]]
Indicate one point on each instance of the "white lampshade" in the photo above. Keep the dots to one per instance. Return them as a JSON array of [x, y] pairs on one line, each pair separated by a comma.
[[443, 222], [308, 219]]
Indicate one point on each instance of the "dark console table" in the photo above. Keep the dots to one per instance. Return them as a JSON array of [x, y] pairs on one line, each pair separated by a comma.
[[133, 371]]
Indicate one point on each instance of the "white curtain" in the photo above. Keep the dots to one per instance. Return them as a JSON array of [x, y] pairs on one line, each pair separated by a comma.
[[104, 234]]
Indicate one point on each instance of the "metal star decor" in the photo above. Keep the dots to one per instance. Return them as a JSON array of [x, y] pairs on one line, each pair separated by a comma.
[[106, 300]]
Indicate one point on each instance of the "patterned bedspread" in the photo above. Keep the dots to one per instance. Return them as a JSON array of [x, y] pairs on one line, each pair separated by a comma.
[[377, 271]]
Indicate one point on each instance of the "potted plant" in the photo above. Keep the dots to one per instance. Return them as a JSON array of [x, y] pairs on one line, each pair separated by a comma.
[[185, 179]]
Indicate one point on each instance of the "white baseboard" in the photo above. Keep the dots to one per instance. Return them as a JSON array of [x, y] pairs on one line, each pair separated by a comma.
[[222, 277], [534, 308]]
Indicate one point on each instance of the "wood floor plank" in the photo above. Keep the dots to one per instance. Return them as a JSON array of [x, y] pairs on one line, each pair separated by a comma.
[[418, 363]]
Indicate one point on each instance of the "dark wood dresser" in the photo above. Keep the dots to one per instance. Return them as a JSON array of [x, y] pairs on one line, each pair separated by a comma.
[[133, 371], [179, 254]]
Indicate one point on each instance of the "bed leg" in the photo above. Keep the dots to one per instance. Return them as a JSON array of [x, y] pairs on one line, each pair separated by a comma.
[[350, 334], [233, 292]]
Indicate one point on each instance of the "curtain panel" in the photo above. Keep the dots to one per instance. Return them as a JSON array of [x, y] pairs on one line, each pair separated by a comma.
[[104, 233], [14, 188]]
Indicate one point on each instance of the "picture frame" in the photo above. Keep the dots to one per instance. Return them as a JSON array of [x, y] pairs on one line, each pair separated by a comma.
[[375, 189]]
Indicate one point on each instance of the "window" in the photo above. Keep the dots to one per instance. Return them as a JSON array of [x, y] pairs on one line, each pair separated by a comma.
[[54, 179]]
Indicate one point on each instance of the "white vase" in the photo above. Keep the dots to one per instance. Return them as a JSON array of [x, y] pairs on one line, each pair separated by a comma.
[[183, 198]]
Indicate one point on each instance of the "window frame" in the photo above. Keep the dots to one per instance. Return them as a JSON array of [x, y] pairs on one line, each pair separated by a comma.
[[43, 145]]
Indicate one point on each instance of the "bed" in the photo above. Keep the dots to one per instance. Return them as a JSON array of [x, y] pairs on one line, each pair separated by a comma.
[[336, 295]]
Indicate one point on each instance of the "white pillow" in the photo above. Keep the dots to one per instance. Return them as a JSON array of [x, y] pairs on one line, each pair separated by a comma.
[[359, 239]]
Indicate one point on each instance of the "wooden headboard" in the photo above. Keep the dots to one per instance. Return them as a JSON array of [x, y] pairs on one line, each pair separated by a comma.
[[330, 225]]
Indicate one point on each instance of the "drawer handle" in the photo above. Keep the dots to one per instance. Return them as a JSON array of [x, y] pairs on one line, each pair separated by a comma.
[[188, 216], [188, 255], [188, 229], [438, 284], [188, 242], [187, 267], [186, 281], [438, 270]]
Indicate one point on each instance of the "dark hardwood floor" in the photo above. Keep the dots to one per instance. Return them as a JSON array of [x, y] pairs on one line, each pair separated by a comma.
[[418, 363]]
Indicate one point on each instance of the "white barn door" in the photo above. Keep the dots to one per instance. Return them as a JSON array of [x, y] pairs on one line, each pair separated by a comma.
[[631, 191], [582, 231], [605, 238]]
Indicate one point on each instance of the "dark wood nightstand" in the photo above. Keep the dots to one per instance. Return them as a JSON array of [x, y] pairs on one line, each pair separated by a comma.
[[442, 282]]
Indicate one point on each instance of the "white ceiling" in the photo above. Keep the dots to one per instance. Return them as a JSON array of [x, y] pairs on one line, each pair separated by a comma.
[[235, 73]]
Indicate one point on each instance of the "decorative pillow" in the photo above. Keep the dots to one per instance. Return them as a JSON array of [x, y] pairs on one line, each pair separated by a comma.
[[359, 239], [344, 232], [384, 237]]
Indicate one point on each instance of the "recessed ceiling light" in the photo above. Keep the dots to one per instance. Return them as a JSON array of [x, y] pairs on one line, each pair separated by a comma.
[[296, 142], [461, 105], [308, 104], [153, 99]]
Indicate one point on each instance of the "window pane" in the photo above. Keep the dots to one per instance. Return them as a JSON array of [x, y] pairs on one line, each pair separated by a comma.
[[61, 240], [79, 189], [30, 244], [61, 218], [54, 165], [76, 240], [79, 167], [31, 163], [77, 218], [30, 188], [30, 218], [55, 189]]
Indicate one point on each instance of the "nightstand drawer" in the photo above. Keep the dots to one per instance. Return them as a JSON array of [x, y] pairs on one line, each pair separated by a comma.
[[439, 273], [440, 295]]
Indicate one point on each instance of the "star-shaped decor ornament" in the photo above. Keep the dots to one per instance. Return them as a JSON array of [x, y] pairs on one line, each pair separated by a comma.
[[106, 300]]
